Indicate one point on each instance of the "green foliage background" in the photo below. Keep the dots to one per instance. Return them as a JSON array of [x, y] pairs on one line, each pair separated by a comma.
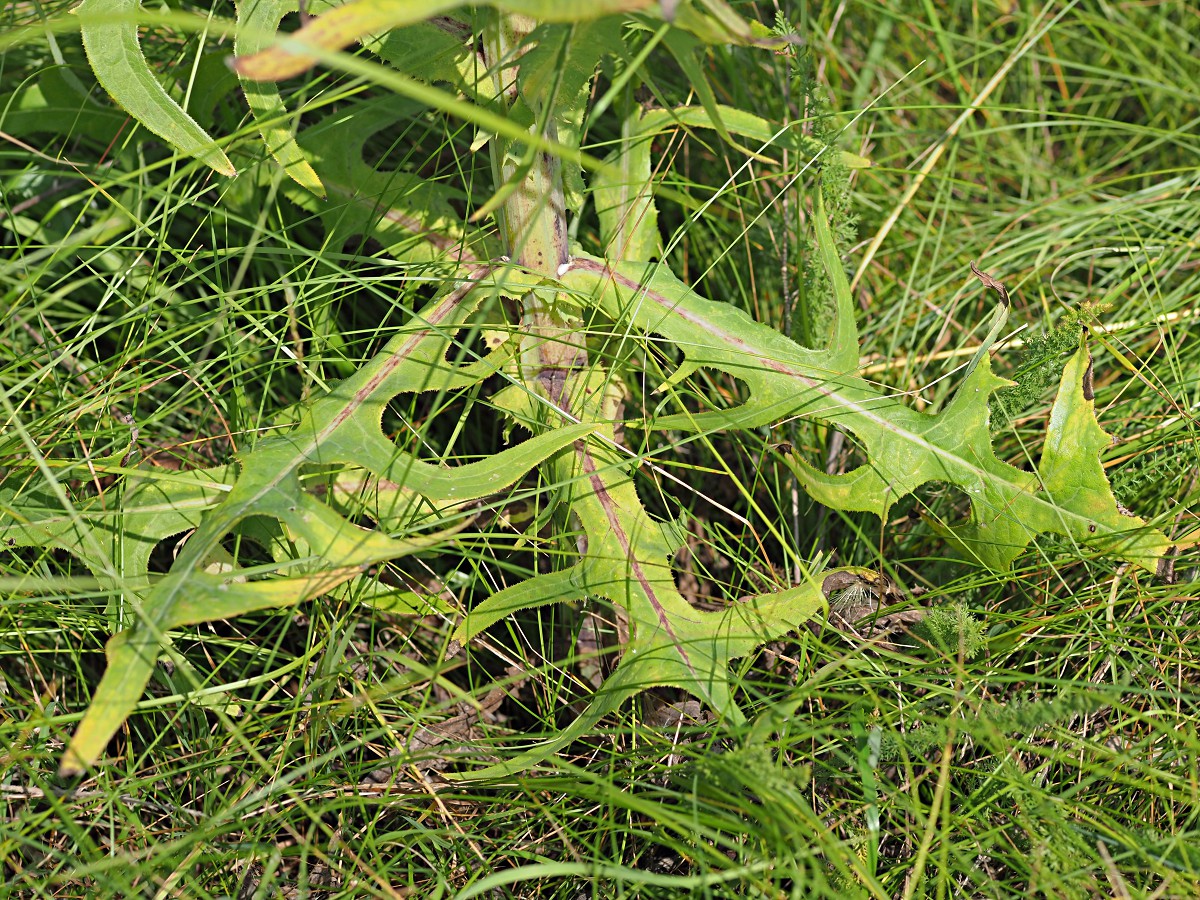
[[1055, 757]]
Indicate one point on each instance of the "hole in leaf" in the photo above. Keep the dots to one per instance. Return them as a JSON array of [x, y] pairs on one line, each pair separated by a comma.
[[389, 147], [162, 557], [943, 502]]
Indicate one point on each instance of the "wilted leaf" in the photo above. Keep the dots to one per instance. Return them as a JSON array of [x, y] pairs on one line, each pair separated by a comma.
[[344, 25]]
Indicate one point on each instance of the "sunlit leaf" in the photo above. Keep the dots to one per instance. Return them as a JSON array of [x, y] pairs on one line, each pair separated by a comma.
[[257, 21], [341, 428], [905, 448], [110, 37], [627, 560]]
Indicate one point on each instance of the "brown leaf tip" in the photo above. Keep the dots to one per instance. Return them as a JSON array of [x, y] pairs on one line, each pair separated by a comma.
[[991, 283]]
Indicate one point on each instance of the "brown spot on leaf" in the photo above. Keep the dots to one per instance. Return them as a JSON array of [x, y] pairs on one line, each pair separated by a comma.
[[1166, 567]]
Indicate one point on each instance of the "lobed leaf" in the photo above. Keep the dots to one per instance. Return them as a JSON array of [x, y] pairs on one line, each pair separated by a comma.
[[626, 560], [413, 217], [626, 555], [905, 448], [1079, 500], [153, 506], [341, 428]]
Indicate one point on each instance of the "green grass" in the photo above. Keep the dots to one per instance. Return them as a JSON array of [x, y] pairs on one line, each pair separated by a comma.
[[1046, 745]]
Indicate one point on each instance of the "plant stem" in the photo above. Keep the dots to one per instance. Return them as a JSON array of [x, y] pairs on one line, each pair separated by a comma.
[[532, 216]]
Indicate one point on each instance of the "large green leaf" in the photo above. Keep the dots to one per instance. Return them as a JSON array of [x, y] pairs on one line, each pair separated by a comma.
[[153, 505], [53, 102], [625, 554], [1079, 502], [626, 558], [905, 448], [342, 428], [110, 37]]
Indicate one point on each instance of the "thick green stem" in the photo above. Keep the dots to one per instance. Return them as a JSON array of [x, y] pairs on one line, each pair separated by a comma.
[[532, 216]]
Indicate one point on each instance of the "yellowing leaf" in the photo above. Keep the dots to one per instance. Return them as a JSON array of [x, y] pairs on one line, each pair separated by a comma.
[[342, 427], [344, 25]]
